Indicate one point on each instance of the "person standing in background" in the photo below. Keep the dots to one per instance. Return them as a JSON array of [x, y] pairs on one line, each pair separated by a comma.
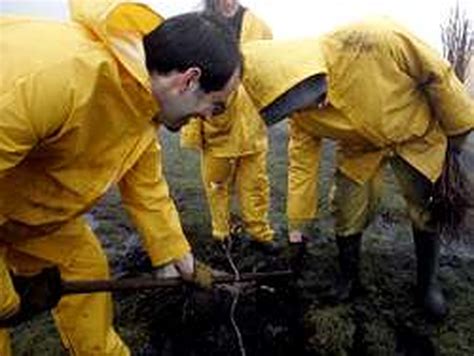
[[234, 146]]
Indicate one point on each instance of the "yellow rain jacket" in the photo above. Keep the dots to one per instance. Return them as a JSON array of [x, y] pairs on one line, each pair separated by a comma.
[[76, 117], [240, 131], [388, 93]]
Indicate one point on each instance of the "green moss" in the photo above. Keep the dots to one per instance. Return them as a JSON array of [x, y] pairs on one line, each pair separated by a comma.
[[331, 331]]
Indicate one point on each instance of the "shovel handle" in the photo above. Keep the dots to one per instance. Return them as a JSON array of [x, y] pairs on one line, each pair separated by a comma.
[[148, 282]]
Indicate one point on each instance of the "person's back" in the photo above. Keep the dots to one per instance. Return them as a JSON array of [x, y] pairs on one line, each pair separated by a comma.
[[30, 45], [99, 128]]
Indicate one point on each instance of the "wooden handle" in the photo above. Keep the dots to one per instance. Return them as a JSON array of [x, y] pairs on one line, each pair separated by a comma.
[[148, 282]]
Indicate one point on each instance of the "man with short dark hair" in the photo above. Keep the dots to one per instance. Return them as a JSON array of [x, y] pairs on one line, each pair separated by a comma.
[[80, 106], [184, 51], [385, 97]]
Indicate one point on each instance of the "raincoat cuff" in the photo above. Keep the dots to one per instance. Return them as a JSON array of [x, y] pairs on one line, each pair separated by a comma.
[[162, 255]]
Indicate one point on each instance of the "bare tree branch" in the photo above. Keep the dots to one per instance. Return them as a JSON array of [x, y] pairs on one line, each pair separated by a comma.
[[457, 37]]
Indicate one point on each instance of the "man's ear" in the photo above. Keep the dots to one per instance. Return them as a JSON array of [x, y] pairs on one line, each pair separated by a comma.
[[191, 78]]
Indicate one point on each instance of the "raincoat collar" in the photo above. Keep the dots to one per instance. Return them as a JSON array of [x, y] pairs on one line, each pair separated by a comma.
[[120, 25]]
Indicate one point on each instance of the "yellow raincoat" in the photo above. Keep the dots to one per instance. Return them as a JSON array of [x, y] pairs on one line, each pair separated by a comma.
[[234, 147], [76, 109], [383, 87]]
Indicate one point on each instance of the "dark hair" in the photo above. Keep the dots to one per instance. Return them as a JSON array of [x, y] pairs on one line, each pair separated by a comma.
[[194, 40]]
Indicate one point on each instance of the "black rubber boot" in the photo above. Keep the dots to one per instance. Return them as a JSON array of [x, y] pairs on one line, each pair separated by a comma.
[[348, 283], [429, 291]]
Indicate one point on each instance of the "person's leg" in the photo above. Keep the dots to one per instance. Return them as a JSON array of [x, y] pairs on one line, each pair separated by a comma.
[[254, 193], [417, 191], [217, 176], [5, 349], [84, 321], [9, 301], [353, 206]]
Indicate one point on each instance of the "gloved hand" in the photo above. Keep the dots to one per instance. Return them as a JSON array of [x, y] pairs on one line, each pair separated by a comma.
[[188, 269], [203, 275], [37, 293]]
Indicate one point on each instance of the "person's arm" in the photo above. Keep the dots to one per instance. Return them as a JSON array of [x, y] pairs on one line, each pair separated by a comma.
[[303, 166], [435, 76], [146, 198]]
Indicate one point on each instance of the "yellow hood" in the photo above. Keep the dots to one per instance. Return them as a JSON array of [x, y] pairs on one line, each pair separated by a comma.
[[272, 67], [118, 22]]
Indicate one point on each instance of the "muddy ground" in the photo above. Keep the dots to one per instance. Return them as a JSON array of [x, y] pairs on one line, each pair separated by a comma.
[[291, 317]]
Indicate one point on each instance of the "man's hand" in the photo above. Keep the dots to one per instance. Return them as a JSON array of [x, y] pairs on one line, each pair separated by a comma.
[[184, 268], [37, 293], [188, 269]]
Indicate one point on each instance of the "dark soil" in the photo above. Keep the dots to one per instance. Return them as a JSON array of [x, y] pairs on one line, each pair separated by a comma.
[[287, 317]]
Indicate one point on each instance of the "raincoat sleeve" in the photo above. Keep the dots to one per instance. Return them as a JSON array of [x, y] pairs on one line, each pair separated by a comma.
[[146, 198], [447, 95], [303, 166], [191, 135], [29, 114]]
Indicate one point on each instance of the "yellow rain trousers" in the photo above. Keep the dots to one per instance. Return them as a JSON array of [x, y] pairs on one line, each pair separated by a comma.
[[249, 177], [63, 143], [234, 147], [389, 95], [9, 302], [84, 321]]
